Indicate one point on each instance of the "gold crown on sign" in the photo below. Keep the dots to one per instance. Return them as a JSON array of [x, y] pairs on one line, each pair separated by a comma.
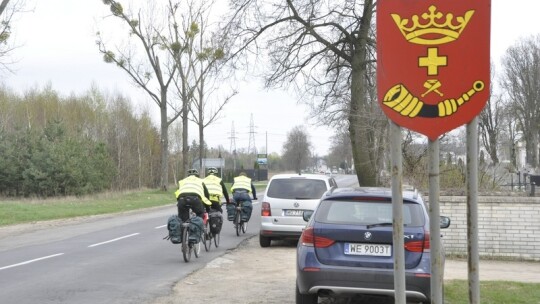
[[434, 28]]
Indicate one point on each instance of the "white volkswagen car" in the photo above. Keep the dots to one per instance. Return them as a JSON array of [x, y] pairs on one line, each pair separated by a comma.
[[286, 198]]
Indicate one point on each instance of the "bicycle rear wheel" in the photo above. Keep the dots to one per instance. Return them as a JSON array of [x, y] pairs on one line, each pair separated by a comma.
[[237, 222], [207, 236], [186, 249], [197, 248], [244, 226], [216, 240]]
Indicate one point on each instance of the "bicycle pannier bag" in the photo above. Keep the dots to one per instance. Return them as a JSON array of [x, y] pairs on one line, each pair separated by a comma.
[[216, 221], [231, 211], [195, 229], [174, 225], [246, 211]]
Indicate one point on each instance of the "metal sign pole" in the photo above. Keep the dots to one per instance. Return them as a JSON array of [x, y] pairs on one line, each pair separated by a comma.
[[434, 224], [472, 211], [397, 214], [418, 44]]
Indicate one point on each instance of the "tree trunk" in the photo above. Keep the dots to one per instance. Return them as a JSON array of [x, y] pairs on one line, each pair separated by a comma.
[[201, 147], [534, 149], [201, 123], [359, 132], [139, 159], [3, 6], [185, 147], [493, 148], [164, 142]]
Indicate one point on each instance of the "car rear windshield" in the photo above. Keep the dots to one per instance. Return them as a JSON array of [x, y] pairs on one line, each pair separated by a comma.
[[367, 213], [296, 188]]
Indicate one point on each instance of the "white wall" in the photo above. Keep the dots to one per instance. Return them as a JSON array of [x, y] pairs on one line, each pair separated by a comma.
[[508, 226]]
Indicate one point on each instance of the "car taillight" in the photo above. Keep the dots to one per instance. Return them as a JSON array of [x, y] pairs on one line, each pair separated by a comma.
[[265, 209], [309, 239], [419, 246]]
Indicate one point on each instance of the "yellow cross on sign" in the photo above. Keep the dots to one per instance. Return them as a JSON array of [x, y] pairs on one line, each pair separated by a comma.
[[433, 61]]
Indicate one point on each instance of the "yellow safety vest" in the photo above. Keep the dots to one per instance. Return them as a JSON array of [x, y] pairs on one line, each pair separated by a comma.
[[242, 182], [213, 183], [192, 184]]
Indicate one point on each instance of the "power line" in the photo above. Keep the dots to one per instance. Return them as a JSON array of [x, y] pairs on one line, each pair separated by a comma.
[[233, 140], [252, 148]]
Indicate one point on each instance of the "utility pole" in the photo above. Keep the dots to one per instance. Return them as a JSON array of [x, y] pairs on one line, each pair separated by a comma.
[[233, 147], [252, 148]]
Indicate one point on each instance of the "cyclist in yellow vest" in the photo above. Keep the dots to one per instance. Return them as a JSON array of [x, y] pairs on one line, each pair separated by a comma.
[[192, 193], [241, 189], [216, 188]]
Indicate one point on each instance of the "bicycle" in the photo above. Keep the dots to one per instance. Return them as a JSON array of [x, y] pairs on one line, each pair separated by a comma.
[[189, 247], [239, 224], [209, 236]]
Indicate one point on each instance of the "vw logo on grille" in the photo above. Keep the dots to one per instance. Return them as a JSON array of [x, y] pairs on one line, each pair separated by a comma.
[[296, 204], [367, 235]]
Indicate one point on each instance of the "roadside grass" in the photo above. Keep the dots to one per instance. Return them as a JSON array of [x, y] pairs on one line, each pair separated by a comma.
[[493, 292], [18, 211], [32, 210]]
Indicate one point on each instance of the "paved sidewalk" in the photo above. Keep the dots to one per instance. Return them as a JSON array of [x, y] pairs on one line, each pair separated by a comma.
[[251, 274], [528, 272], [248, 274]]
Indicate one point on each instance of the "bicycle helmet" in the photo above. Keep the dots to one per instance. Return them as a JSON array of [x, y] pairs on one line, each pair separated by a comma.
[[213, 171], [193, 172]]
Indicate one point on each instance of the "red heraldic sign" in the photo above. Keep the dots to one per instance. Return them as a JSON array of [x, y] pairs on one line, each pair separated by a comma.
[[433, 64]]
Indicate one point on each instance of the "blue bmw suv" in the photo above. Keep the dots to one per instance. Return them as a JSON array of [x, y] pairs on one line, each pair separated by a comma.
[[346, 247]]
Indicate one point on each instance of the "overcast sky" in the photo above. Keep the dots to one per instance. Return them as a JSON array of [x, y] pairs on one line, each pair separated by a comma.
[[57, 47]]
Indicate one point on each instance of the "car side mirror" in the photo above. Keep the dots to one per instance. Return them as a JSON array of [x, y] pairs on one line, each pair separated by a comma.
[[444, 222], [307, 215]]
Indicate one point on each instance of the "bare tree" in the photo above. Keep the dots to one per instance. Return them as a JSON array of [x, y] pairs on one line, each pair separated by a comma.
[[201, 66], [183, 29], [3, 6], [521, 81], [490, 121], [176, 148], [205, 113], [414, 155], [153, 71], [324, 49], [7, 11], [296, 149], [513, 133], [199, 56], [340, 150]]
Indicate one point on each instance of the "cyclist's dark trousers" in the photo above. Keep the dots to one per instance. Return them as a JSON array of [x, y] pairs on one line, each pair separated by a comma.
[[248, 207], [189, 201], [216, 206]]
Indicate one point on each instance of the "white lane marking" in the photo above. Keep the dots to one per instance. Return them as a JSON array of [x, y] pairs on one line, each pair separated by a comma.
[[31, 261], [113, 240]]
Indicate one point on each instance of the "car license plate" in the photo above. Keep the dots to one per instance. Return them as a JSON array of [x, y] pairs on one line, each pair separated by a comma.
[[294, 212], [368, 249]]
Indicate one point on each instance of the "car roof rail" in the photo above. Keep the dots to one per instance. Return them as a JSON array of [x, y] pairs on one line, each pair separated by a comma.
[[408, 188], [330, 191], [411, 189]]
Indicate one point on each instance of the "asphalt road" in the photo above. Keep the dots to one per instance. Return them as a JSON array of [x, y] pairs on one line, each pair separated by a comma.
[[120, 258], [103, 259]]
